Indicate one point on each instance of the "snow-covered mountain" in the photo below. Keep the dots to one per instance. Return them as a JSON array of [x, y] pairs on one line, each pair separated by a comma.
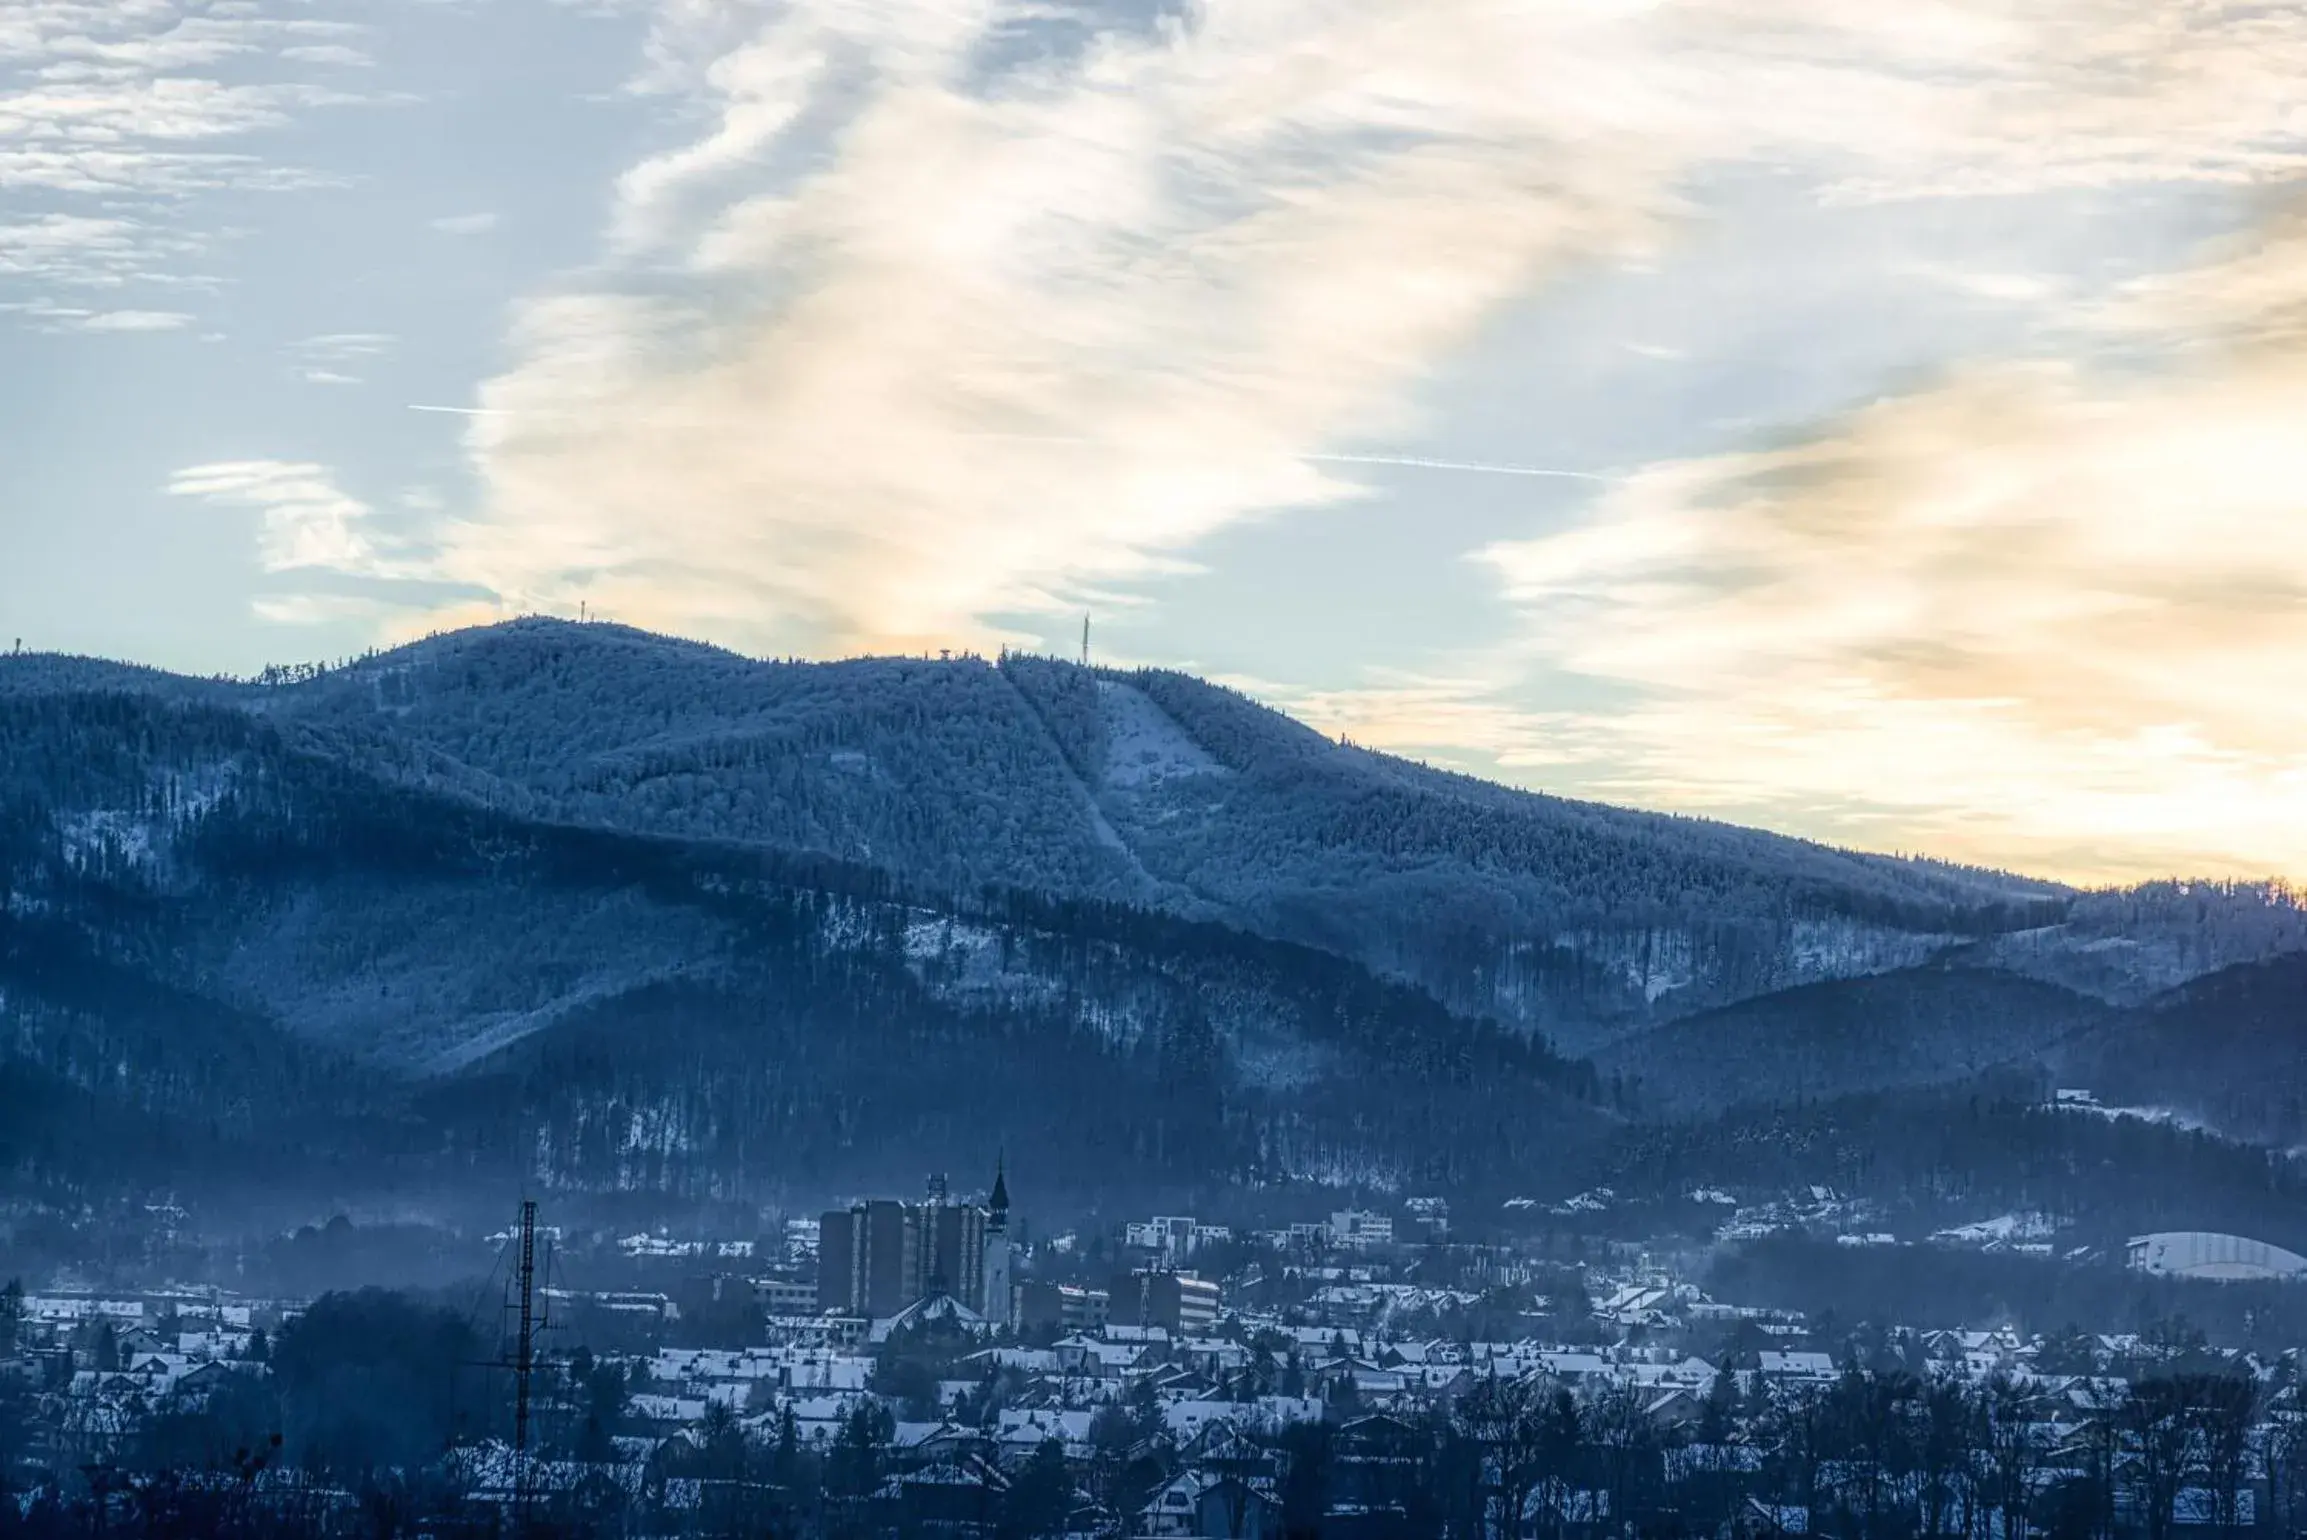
[[621, 910], [1154, 789]]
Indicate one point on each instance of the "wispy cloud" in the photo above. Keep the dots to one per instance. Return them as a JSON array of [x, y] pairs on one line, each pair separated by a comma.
[[114, 112], [466, 224], [2044, 612], [306, 520], [332, 358], [325, 552], [135, 321], [47, 316], [79, 247], [822, 388], [55, 253], [340, 55]]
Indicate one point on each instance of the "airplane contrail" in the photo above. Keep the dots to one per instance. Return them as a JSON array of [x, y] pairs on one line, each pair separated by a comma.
[[1484, 467], [1407, 462]]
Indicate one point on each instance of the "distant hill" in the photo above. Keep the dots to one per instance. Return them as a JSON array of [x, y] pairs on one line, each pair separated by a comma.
[[1916, 1027], [623, 912], [2228, 1050], [1151, 788], [1916, 1158], [2128, 945]]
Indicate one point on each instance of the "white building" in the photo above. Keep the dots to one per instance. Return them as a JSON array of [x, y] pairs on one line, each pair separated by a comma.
[[2213, 1257], [1357, 1228]]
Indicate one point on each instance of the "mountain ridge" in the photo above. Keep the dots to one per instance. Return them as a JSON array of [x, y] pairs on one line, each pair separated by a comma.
[[1569, 917], [615, 911]]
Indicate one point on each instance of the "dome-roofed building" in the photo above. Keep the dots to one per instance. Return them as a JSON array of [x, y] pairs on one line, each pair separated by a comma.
[[2213, 1257]]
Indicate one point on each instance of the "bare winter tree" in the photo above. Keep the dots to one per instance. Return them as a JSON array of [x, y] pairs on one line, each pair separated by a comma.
[[2012, 1444]]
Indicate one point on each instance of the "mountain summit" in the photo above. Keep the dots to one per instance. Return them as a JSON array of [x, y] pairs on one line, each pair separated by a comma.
[[1150, 788]]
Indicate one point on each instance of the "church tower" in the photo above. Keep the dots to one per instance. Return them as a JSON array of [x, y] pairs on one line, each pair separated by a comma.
[[1000, 1303]]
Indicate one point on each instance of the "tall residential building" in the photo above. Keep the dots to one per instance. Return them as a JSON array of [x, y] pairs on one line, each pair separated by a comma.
[[869, 1258], [952, 1253], [836, 1261], [875, 1258]]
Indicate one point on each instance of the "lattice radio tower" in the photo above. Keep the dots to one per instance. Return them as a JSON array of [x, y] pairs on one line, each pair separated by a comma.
[[524, 1356]]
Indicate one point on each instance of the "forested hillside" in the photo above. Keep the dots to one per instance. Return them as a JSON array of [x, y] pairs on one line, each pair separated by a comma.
[[2128, 945], [1151, 788], [1579, 919], [2229, 1050], [620, 912], [210, 924], [1960, 1153], [1916, 1027]]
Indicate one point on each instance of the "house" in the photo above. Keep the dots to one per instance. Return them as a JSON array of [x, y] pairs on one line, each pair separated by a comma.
[[1022, 1430], [1221, 1450], [665, 1412], [196, 1385], [1025, 1360], [1573, 1368], [1637, 1304], [1195, 1503], [1798, 1367], [1097, 1359], [1188, 1419], [1674, 1409], [1374, 1471], [951, 1497], [933, 1443]]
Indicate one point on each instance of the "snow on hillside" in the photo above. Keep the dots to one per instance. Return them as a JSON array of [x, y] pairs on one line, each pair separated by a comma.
[[1144, 744]]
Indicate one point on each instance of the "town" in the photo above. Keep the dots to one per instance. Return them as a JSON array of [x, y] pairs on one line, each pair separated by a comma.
[[933, 1366]]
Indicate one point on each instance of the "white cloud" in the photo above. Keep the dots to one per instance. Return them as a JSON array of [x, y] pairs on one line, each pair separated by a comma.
[[83, 246], [135, 321], [341, 55], [2044, 613], [331, 358], [345, 347], [833, 386], [306, 521], [48, 316], [466, 224], [114, 111], [328, 555], [57, 251]]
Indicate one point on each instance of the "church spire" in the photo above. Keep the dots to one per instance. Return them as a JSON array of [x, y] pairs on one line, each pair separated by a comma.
[[997, 1205]]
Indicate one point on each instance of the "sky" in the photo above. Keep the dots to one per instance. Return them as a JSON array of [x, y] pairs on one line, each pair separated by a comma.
[[1883, 423]]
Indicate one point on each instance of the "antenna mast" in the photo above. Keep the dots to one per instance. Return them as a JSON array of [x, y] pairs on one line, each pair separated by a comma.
[[1085, 641], [524, 1355]]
